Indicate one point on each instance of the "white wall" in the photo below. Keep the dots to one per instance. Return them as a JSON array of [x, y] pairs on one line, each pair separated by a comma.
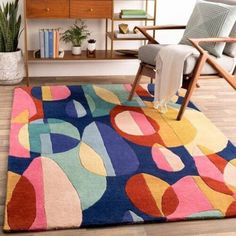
[[168, 12]]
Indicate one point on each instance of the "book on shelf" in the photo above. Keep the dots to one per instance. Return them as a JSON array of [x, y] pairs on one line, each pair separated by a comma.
[[133, 13], [130, 12], [49, 43], [41, 42], [134, 16], [54, 43], [128, 35], [46, 44]]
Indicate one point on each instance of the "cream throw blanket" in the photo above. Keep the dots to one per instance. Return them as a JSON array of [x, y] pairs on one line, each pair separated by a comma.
[[169, 76]]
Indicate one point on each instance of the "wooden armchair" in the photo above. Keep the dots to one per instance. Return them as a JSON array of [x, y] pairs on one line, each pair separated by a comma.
[[205, 64]]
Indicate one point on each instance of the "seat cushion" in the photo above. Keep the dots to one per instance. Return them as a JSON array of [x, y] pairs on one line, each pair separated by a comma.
[[230, 48], [210, 20], [148, 53]]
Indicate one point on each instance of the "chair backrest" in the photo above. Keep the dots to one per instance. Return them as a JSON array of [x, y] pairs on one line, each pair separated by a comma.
[[228, 2], [230, 48]]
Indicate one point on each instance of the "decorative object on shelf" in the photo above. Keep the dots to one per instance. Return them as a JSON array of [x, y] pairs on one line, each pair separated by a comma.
[[129, 35], [37, 54], [91, 48], [135, 34], [76, 35], [123, 28], [11, 59], [61, 53], [132, 13], [49, 43]]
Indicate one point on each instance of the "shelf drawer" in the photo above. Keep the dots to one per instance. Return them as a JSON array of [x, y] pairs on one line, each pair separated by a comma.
[[90, 9], [47, 8]]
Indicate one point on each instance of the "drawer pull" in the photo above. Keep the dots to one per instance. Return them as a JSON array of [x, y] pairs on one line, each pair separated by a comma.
[[47, 9], [91, 10]]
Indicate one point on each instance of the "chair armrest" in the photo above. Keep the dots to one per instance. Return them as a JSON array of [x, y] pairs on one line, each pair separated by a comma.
[[211, 60], [144, 29], [161, 27], [196, 42]]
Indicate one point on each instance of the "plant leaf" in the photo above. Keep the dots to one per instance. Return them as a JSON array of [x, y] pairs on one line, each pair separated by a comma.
[[76, 34], [10, 24]]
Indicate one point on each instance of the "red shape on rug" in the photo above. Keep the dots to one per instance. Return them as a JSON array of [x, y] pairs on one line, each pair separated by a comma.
[[21, 209], [231, 210], [169, 201], [38, 105], [145, 140], [218, 161], [217, 185], [139, 193]]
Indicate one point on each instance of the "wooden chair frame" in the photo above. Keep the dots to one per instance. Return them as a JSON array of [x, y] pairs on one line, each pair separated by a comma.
[[191, 82]]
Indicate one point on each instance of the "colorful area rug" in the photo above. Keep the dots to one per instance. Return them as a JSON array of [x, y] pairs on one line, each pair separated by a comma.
[[84, 156]]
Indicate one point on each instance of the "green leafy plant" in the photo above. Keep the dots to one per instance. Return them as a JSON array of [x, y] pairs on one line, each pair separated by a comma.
[[76, 34], [10, 24]]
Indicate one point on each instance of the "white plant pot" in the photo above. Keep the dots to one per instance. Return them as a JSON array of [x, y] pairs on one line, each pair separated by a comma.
[[76, 50], [12, 68]]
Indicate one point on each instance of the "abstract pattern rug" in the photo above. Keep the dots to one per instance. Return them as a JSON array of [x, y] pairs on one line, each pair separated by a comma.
[[84, 156]]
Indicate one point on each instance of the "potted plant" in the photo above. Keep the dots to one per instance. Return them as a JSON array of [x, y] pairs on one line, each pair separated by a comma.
[[11, 58], [75, 35]]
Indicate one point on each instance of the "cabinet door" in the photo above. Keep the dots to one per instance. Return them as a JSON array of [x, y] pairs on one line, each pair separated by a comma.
[[90, 9], [47, 8]]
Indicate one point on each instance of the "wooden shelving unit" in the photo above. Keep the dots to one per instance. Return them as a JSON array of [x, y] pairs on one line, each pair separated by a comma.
[[100, 55], [116, 17], [81, 9]]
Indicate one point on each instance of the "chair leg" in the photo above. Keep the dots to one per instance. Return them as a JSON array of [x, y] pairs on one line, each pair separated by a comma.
[[187, 98], [192, 85], [136, 81]]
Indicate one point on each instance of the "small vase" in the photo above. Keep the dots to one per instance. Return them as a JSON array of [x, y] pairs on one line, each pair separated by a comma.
[[76, 50], [91, 48]]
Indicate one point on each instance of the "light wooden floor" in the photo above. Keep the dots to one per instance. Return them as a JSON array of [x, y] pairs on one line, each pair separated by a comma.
[[215, 98]]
